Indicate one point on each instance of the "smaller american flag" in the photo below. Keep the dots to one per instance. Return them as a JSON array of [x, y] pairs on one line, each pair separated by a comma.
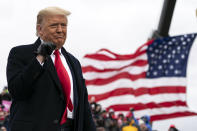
[[152, 80]]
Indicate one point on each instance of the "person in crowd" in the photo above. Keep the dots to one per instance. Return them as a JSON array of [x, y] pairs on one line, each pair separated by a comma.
[[93, 104], [172, 128], [5, 95], [130, 127], [2, 117], [45, 81], [131, 115], [142, 125], [120, 120], [146, 120], [111, 121], [3, 128], [99, 120], [98, 110]]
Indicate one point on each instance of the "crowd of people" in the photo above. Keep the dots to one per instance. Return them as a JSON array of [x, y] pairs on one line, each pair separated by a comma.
[[104, 120], [108, 121], [4, 112]]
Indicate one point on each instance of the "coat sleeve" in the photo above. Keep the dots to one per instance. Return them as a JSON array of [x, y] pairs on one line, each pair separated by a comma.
[[22, 72]]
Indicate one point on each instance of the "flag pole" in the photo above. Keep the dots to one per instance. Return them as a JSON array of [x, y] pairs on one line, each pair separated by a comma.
[[165, 19]]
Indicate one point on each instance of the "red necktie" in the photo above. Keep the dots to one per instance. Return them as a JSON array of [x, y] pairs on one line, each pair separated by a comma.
[[65, 83]]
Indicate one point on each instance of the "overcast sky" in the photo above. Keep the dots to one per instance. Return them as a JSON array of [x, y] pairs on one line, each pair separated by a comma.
[[119, 25]]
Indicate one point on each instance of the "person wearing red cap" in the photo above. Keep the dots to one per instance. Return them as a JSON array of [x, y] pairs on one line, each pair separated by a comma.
[[172, 128]]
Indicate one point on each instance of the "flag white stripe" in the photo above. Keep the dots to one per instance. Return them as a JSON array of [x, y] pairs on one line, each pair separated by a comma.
[[130, 99], [148, 83], [106, 54], [111, 64], [133, 70], [144, 48]]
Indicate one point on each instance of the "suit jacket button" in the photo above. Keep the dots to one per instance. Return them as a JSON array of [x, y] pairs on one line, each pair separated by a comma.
[[55, 121]]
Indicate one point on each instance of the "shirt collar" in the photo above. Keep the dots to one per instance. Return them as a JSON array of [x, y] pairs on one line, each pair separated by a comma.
[[60, 51]]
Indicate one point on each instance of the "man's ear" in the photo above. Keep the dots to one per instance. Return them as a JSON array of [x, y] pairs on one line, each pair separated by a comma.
[[39, 30]]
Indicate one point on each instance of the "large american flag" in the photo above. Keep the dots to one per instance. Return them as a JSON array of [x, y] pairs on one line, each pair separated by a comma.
[[152, 80]]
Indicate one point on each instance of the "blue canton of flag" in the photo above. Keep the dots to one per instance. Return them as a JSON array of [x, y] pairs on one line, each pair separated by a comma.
[[167, 57]]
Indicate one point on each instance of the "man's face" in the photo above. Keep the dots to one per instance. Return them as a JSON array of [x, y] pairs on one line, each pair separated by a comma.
[[53, 29]]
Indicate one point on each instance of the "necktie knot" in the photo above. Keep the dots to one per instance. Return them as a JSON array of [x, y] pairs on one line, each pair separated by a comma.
[[56, 53]]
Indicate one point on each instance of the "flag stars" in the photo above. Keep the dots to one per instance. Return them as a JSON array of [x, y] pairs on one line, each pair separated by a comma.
[[183, 56], [167, 55], [164, 52], [156, 51], [151, 68], [160, 46], [165, 47], [176, 72], [185, 35], [177, 61], [155, 62], [164, 61], [155, 43], [178, 48], [178, 51], [150, 49], [171, 67], [170, 43], [155, 73], [152, 55], [166, 72], [186, 52], [148, 73], [182, 38], [160, 67], [184, 43], [184, 48]]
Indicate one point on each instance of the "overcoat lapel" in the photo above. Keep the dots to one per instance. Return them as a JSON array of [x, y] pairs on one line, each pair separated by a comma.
[[49, 66]]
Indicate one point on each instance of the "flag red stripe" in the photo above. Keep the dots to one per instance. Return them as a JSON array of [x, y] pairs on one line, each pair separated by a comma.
[[103, 57], [138, 50], [125, 75], [139, 92], [141, 106], [94, 69], [172, 115], [118, 57]]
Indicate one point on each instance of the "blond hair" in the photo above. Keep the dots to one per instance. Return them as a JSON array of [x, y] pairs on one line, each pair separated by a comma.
[[50, 11]]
